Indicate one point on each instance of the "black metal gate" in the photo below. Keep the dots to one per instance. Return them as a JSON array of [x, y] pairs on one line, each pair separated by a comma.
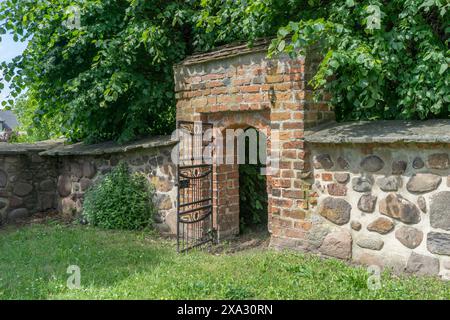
[[195, 186]]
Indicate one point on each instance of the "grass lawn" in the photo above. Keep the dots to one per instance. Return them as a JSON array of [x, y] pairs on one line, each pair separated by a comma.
[[135, 265]]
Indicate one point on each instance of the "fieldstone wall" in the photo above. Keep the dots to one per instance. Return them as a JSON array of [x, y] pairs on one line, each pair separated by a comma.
[[380, 196], [80, 166], [27, 181]]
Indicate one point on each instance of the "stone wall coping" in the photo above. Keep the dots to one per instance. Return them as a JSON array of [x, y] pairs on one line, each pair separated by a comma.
[[382, 132], [226, 51], [25, 148], [81, 149]]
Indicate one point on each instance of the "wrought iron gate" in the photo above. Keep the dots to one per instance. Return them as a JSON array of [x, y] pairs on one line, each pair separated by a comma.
[[195, 186]]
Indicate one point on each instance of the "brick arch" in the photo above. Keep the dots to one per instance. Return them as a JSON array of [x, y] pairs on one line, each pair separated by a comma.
[[234, 87], [226, 176]]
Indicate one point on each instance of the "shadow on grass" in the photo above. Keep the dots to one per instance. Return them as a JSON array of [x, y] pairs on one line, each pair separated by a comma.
[[34, 259]]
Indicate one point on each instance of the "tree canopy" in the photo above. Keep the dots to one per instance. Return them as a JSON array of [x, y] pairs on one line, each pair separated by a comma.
[[111, 77]]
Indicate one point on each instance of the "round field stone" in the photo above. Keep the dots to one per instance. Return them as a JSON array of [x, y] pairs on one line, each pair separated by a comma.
[[372, 163], [423, 182], [22, 189], [391, 183], [438, 161], [410, 237], [335, 210], [356, 225], [367, 203], [341, 177], [342, 163], [440, 210], [397, 207], [337, 244], [418, 163], [322, 161], [438, 243], [362, 184], [381, 226], [371, 243], [422, 265], [399, 167]]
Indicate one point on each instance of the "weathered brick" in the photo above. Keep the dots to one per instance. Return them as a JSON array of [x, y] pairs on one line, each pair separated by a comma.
[[292, 194]]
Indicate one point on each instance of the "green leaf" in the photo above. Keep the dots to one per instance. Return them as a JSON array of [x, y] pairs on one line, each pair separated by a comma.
[[281, 45]]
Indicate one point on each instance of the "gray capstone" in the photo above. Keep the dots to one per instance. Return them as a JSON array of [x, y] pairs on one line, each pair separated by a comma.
[[372, 163], [391, 183], [423, 182], [362, 183], [422, 265], [410, 237], [438, 243], [335, 210], [440, 210]]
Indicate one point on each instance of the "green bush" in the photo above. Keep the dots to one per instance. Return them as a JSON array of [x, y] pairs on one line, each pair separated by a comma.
[[120, 201]]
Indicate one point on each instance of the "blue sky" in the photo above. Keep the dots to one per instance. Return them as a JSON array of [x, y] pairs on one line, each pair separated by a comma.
[[8, 50]]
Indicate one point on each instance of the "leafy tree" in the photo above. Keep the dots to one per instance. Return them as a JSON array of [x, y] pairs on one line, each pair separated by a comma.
[[108, 78], [383, 59], [33, 126], [112, 78]]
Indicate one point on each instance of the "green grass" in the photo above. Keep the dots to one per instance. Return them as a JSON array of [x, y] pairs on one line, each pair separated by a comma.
[[135, 265]]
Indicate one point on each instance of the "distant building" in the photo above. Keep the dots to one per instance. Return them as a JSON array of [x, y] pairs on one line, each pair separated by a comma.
[[8, 123]]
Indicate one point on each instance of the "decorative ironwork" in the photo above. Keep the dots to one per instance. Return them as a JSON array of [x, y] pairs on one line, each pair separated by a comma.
[[195, 187]]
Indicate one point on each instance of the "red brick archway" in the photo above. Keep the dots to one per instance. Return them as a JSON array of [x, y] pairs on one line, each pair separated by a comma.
[[226, 176], [240, 87]]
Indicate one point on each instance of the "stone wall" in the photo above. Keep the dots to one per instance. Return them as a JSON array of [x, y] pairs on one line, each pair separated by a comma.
[[380, 195], [79, 166], [54, 177], [27, 181]]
